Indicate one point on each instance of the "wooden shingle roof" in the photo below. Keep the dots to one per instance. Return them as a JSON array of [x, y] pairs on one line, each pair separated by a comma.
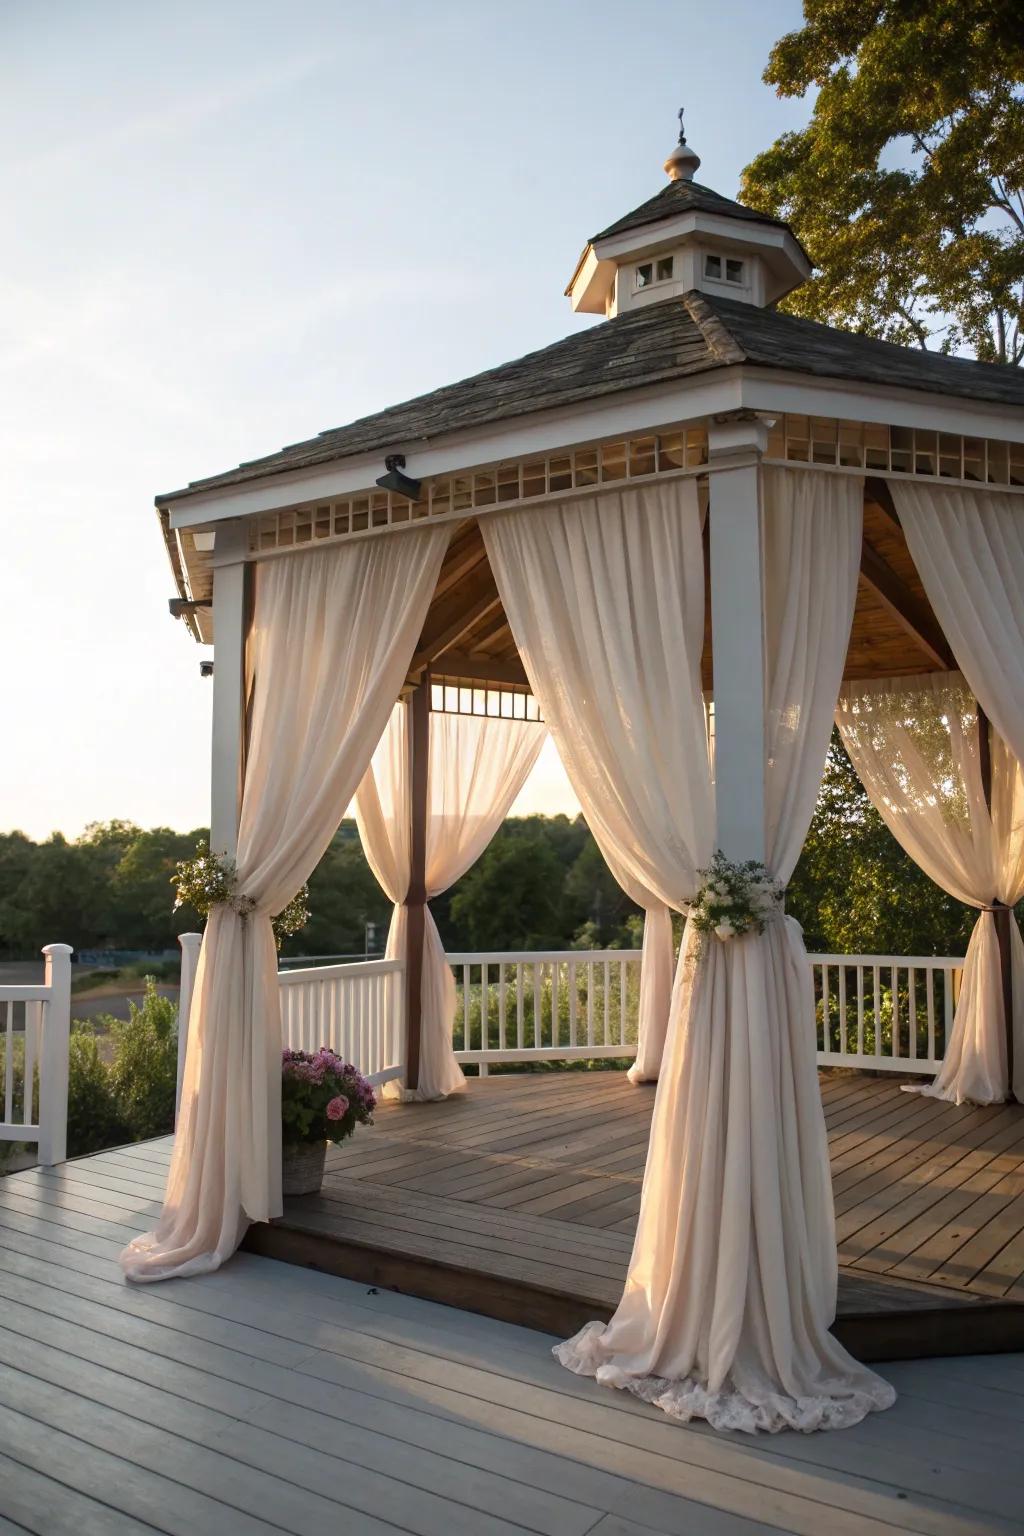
[[673, 339], [685, 197]]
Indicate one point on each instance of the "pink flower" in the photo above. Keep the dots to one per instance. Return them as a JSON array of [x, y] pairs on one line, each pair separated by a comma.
[[337, 1109]]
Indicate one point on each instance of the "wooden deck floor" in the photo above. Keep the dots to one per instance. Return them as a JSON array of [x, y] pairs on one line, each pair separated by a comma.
[[520, 1197], [269, 1399]]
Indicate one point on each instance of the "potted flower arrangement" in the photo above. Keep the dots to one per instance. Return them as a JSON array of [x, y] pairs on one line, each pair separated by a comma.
[[322, 1099]]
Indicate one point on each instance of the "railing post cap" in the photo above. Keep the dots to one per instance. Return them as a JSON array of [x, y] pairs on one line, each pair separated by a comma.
[[58, 949]]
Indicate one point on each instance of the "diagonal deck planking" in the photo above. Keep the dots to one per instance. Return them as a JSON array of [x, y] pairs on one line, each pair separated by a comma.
[[267, 1399], [519, 1199]]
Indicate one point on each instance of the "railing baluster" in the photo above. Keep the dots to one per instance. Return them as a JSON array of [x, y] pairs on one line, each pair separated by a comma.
[[520, 1023], [502, 1006], [930, 1003], [878, 1009], [590, 1002], [33, 1012], [842, 1010], [573, 1002], [467, 1043], [9, 1068], [538, 1034], [622, 1002], [912, 993]]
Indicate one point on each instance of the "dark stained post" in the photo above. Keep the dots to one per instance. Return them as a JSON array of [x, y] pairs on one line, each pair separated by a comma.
[[1001, 913], [415, 901]]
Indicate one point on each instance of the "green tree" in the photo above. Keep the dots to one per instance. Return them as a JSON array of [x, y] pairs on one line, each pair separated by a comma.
[[343, 897], [907, 185], [511, 898], [855, 891]]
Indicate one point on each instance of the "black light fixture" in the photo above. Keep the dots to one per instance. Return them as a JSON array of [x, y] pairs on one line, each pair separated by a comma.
[[396, 481], [183, 607]]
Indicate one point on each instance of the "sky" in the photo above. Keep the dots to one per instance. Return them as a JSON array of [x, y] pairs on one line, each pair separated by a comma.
[[228, 226]]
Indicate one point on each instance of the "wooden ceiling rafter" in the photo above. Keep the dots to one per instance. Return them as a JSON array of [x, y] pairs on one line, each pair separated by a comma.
[[912, 612]]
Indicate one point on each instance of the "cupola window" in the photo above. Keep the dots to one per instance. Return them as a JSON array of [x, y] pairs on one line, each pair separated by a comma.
[[650, 272], [727, 269]]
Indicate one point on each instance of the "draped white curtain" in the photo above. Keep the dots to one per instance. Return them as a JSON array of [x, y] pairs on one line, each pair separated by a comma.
[[477, 764], [732, 1282], [968, 546], [914, 743], [333, 633], [605, 598]]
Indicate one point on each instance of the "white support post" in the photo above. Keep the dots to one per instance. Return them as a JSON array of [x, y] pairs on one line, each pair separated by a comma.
[[737, 622], [190, 947], [229, 625], [53, 1057]]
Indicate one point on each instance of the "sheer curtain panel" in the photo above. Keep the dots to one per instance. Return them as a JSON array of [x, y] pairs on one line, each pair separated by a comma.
[[332, 636], [732, 1283], [605, 597], [915, 745], [968, 546], [477, 765]]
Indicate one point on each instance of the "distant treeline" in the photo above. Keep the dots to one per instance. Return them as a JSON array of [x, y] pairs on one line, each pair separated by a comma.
[[541, 884]]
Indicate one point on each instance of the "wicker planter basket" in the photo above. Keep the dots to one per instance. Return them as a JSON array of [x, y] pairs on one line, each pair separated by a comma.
[[302, 1168]]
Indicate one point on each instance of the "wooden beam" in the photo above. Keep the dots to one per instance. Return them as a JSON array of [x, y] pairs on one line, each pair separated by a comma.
[[465, 554], [879, 492], [416, 897], [1002, 914], [434, 646], [457, 666], [911, 612]]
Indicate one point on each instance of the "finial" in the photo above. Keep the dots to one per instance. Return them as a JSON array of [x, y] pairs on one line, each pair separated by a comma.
[[682, 162]]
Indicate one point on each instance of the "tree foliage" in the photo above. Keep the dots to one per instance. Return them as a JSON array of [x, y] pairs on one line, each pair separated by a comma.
[[907, 185]]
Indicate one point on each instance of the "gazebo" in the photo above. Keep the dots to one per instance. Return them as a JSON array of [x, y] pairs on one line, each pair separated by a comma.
[[699, 507]]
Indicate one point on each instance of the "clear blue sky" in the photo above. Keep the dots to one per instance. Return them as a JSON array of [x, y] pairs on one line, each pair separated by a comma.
[[228, 226]]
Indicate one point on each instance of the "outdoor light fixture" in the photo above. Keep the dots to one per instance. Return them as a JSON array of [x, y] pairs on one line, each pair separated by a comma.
[[180, 606], [206, 669], [394, 480]]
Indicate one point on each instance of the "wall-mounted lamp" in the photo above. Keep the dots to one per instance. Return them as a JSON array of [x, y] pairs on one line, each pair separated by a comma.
[[180, 607], [394, 480], [206, 669]]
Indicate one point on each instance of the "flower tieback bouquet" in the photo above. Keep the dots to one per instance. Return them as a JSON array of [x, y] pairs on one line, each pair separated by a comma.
[[205, 881], [734, 899], [322, 1098]]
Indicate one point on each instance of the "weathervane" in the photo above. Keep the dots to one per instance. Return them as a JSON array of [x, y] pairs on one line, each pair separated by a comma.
[[682, 134], [683, 161]]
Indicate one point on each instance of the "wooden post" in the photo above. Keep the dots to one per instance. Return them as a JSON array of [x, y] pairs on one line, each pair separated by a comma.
[[53, 1059], [737, 621], [230, 618], [191, 943], [1003, 915], [415, 901]]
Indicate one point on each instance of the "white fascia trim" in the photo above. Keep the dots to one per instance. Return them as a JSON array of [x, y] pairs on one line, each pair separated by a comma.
[[631, 413], [768, 389]]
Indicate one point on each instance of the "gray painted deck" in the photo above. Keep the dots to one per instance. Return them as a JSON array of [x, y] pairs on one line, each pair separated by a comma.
[[268, 1398]]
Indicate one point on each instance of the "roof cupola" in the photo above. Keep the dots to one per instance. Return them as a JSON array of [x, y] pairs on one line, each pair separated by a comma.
[[687, 237]]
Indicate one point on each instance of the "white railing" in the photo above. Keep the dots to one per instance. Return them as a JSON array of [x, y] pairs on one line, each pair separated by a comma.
[[888, 1013], [558, 1005], [885, 1013], [358, 1010], [35, 1023]]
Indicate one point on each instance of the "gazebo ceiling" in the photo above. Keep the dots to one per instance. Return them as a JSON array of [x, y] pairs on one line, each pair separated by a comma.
[[467, 637]]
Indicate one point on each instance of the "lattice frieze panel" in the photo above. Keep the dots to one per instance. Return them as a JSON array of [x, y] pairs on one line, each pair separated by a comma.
[[525, 480]]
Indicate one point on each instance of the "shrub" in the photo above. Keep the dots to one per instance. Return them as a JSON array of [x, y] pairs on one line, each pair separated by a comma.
[[94, 1119], [144, 1073]]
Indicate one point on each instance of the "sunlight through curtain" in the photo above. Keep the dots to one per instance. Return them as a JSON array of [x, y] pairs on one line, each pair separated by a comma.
[[914, 743], [476, 767], [605, 598]]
